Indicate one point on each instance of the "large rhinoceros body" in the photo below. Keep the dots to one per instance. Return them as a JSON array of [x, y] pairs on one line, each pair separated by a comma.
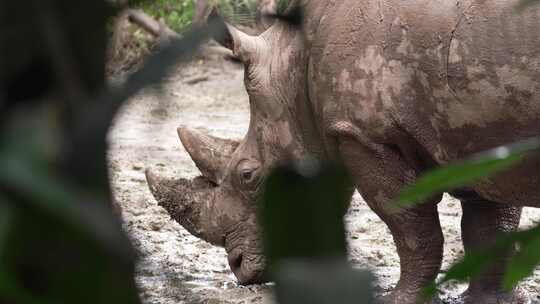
[[390, 89]]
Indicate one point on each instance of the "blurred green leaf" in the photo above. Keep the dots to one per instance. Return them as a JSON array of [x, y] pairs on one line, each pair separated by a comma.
[[48, 260], [523, 264], [8, 285], [322, 282], [466, 172], [525, 4], [301, 213], [310, 200], [59, 241], [519, 267], [6, 215], [475, 263], [46, 192], [177, 14], [471, 265], [452, 176], [282, 6]]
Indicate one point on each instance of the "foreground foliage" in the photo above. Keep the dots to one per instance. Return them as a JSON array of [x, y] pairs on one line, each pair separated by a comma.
[[177, 14], [59, 239]]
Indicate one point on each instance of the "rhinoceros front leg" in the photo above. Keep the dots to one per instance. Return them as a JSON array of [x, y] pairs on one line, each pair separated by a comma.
[[379, 173], [482, 222]]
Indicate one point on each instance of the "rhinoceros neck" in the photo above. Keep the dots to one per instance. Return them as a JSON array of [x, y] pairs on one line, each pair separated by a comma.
[[306, 124], [292, 125], [300, 113]]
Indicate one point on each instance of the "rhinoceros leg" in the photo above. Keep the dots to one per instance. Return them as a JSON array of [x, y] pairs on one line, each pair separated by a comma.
[[379, 173], [482, 222]]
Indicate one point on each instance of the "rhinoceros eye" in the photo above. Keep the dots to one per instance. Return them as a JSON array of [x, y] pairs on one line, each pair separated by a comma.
[[246, 175], [247, 171]]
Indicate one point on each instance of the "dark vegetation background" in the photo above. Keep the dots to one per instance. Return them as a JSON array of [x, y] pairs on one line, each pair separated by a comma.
[[60, 238], [131, 42]]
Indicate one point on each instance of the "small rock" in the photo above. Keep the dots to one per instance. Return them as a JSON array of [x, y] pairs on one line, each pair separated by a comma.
[[136, 212], [155, 225]]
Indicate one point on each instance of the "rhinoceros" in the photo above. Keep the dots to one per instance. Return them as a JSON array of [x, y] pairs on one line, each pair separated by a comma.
[[389, 89]]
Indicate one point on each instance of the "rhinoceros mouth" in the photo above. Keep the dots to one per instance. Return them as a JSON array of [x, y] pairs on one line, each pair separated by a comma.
[[191, 203], [247, 268], [201, 183]]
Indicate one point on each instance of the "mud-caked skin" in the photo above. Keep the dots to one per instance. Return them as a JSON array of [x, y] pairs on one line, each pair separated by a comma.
[[390, 89]]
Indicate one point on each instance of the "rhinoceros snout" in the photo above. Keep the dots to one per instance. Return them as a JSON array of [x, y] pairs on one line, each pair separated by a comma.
[[191, 203], [248, 269]]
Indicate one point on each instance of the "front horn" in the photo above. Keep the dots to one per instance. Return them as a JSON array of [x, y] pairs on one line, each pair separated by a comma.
[[191, 203]]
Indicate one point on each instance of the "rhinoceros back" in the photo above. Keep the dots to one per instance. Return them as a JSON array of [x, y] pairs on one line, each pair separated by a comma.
[[457, 77], [494, 75]]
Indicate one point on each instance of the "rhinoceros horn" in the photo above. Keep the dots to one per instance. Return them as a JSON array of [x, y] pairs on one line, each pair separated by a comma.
[[210, 154], [191, 203]]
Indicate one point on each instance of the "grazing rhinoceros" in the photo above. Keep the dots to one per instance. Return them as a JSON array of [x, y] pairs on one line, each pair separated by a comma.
[[389, 88]]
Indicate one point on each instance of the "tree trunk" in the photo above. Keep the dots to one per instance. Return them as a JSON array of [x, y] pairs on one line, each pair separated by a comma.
[[119, 36], [266, 10], [202, 11], [163, 33], [156, 28]]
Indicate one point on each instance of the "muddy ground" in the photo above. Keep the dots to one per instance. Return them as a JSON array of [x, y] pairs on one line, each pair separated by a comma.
[[175, 267]]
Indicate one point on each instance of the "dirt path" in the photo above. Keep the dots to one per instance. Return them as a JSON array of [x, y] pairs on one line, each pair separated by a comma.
[[175, 267]]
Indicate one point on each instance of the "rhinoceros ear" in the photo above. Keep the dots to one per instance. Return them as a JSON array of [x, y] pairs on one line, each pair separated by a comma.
[[241, 44]]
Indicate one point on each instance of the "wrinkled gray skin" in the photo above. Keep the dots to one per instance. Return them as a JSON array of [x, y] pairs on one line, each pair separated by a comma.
[[390, 89]]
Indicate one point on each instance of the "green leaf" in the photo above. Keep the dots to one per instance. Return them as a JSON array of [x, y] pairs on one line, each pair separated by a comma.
[[528, 257], [301, 213], [519, 267], [9, 288], [471, 265], [282, 6], [466, 172], [525, 4], [430, 291], [301, 281], [452, 176], [32, 181], [309, 200]]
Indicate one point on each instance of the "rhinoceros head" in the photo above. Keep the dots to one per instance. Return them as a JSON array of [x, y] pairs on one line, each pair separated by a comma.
[[220, 207]]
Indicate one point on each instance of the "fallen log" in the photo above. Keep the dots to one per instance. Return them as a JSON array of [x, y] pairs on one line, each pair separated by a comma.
[[164, 34], [196, 79], [156, 28]]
